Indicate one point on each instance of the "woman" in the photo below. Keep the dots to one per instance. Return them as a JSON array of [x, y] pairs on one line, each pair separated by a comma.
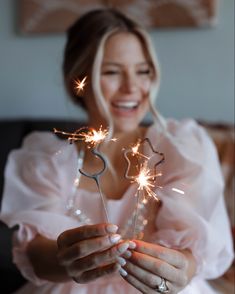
[[63, 250]]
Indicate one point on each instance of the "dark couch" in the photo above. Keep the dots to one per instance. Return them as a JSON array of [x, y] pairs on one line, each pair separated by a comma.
[[12, 133]]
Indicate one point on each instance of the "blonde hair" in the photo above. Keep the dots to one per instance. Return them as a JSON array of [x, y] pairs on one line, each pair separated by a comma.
[[84, 54], [96, 70]]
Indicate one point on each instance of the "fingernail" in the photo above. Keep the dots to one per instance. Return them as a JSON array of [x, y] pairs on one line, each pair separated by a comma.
[[127, 254], [117, 267], [121, 261], [122, 272], [132, 245], [123, 247], [111, 228], [114, 238]]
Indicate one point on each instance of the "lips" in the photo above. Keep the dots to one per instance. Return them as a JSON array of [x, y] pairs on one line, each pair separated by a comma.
[[125, 105]]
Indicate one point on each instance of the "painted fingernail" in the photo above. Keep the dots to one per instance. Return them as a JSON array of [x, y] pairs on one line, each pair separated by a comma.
[[132, 245], [121, 261], [123, 247], [127, 254], [114, 238], [111, 228], [117, 267], [123, 272]]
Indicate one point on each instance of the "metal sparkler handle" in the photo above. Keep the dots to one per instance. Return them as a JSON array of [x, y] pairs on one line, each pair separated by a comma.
[[96, 175]]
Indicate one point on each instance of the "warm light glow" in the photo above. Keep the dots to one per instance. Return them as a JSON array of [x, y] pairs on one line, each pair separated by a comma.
[[145, 181], [95, 137], [88, 135], [79, 85], [135, 151], [135, 148], [144, 178]]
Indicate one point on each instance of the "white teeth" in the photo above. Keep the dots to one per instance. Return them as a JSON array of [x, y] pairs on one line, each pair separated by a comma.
[[126, 104]]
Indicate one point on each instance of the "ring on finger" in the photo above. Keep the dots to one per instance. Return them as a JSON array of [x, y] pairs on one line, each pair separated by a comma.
[[162, 287]]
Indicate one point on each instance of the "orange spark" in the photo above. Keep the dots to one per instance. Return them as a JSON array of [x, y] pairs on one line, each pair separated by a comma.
[[146, 180], [79, 85], [95, 137], [87, 135], [135, 151]]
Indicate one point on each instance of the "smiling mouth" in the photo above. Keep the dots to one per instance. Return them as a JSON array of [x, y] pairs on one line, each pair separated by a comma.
[[125, 105]]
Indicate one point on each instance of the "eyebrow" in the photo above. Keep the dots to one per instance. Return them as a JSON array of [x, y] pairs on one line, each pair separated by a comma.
[[118, 64]]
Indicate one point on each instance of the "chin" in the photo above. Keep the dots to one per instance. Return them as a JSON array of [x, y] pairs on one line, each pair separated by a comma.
[[125, 127]]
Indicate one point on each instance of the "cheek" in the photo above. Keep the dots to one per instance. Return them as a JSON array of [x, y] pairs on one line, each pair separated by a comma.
[[109, 87], [145, 86]]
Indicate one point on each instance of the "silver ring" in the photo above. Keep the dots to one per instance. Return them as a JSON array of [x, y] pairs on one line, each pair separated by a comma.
[[162, 288]]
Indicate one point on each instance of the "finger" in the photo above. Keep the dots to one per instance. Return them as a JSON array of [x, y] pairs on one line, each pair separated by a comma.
[[97, 273], [139, 285], [156, 266], [86, 247], [97, 260], [72, 236], [142, 275], [169, 255]]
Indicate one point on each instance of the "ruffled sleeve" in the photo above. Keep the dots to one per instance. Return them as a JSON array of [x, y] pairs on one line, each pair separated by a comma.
[[196, 219], [37, 185]]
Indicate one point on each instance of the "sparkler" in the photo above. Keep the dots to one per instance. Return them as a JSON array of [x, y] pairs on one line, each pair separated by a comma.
[[88, 135], [93, 138], [145, 178]]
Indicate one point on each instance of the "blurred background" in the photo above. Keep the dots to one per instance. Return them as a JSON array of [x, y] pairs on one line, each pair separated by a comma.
[[197, 69], [194, 41]]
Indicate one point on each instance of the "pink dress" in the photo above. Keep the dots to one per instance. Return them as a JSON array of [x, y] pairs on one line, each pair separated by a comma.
[[39, 181]]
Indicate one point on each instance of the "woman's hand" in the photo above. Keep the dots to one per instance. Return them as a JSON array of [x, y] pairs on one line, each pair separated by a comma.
[[91, 251], [149, 263]]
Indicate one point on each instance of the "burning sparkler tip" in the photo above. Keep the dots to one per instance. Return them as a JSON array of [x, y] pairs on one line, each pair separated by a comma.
[[79, 85]]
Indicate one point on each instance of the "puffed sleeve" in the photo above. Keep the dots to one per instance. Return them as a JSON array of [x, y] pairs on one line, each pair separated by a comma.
[[37, 183], [198, 218]]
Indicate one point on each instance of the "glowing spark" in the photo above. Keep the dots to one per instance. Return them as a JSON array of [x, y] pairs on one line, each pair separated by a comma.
[[87, 135], [135, 148], [79, 85], [145, 181], [178, 191], [135, 151], [144, 178], [95, 137]]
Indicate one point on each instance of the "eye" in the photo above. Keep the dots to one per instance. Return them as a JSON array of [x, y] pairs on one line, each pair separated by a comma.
[[144, 72], [110, 72]]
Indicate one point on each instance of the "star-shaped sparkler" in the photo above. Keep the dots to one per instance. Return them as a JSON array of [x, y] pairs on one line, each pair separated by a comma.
[[146, 178]]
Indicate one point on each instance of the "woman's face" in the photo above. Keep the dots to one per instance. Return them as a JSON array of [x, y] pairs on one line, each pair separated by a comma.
[[126, 76]]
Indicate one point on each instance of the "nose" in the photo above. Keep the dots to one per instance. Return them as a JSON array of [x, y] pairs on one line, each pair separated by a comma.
[[130, 83]]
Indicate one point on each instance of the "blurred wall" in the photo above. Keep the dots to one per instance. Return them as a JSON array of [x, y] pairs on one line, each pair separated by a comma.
[[197, 70]]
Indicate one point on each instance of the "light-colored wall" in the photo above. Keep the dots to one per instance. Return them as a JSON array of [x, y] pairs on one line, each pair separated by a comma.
[[197, 70]]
